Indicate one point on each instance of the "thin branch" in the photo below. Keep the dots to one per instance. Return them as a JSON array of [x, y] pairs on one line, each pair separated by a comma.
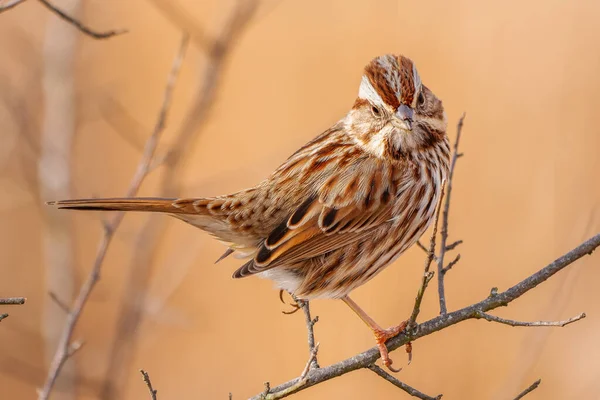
[[530, 389], [444, 232], [310, 325], [451, 264], [61, 355], [425, 249], [79, 25], [153, 392], [394, 381], [427, 275], [452, 246], [2, 316], [61, 304], [12, 300], [493, 318], [370, 356], [10, 4], [312, 359]]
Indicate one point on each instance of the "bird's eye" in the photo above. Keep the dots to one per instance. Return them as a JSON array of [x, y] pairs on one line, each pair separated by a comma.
[[421, 99], [375, 110]]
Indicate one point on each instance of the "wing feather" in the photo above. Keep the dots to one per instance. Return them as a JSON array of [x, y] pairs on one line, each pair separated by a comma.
[[346, 206]]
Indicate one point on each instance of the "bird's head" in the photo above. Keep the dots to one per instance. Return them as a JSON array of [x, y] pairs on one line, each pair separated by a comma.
[[395, 113]]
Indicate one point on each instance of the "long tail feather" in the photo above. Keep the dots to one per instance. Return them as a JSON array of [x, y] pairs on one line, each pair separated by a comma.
[[149, 204], [205, 213]]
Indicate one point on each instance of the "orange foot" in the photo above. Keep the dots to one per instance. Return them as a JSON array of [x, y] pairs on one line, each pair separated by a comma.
[[381, 336]]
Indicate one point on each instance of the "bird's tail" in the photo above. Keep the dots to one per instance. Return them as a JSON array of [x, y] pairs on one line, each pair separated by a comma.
[[149, 204], [210, 214]]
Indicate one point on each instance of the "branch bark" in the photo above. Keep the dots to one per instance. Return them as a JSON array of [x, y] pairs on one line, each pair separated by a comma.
[[530, 389], [146, 377], [510, 322], [493, 301], [12, 300]]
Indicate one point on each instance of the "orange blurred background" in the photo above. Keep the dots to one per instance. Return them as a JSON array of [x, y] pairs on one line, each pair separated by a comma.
[[526, 191]]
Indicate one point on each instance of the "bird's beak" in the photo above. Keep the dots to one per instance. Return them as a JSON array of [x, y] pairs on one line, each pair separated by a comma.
[[405, 114]]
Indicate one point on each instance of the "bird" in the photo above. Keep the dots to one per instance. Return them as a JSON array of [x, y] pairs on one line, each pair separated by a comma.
[[341, 208]]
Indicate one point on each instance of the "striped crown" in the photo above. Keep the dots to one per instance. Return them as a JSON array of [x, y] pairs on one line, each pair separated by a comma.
[[390, 80]]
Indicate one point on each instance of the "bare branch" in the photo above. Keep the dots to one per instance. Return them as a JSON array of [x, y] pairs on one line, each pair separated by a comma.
[[312, 359], [79, 25], [61, 304], [62, 352], [2, 316], [493, 318], [451, 264], [10, 4], [427, 275], [444, 233], [496, 300], [310, 325], [153, 392], [394, 381], [530, 389], [12, 300], [425, 249], [452, 246]]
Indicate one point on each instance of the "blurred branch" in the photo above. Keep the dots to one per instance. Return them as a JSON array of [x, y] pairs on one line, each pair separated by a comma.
[[146, 378], [54, 160], [79, 25], [152, 232], [66, 17], [530, 389], [441, 269], [63, 353], [63, 306], [2, 316], [493, 318], [12, 300], [7, 5], [394, 381]]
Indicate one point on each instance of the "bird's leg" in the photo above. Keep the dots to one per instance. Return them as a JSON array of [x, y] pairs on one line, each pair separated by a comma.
[[381, 335]]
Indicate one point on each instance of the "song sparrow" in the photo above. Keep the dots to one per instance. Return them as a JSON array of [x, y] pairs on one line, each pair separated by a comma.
[[342, 207]]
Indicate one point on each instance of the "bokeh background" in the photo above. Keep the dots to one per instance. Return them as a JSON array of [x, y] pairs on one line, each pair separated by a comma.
[[75, 112]]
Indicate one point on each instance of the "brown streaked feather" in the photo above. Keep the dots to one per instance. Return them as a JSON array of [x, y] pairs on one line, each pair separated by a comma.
[[335, 217]]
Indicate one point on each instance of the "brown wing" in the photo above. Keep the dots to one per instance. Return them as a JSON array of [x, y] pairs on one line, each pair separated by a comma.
[[348, 201]]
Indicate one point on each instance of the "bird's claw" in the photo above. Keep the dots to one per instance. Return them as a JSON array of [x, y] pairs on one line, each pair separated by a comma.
[[383, 335]]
